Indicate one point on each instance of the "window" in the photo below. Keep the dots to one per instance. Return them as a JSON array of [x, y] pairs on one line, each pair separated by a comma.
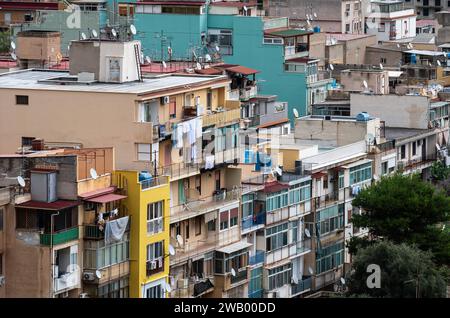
[[21, 100], [155, 258], [198, 184], [403, 152], [144, 113], [234, 217], [276, 237], [277, 200], [155, 214], [384, 168], [347, 28], [300, 192], [330, 257], [98, 255], [115, 289], [217, 179], [223, 39], [172, 107], [198, 225], [414, 148], [383, 60], [209, 100], [273, 41], [143, 152], [27, 141], [341, 179], [361, 173], [331, 219], [382, 27], [154, 292], [224, 220], [279, 276]]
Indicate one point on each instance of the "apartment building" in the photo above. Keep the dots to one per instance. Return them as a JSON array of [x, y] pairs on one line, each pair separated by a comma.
[[340, 16], [147, 203], [20, 12], [390, 20], [52, 228], [426, 9]]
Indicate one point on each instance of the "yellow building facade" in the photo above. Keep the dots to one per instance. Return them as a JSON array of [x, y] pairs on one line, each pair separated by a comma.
[[149, 237]]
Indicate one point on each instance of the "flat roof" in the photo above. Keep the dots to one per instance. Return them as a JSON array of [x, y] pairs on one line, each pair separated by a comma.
[[402, 133], [426, 52], [29, 79], [288, 32]]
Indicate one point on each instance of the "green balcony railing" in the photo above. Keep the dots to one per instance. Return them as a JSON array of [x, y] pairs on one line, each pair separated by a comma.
[[60, 237]]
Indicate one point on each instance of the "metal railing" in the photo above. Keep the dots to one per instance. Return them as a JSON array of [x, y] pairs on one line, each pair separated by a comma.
[[153, 182], [240, 276], [302, 286], [222, 117], [179, 170], [60, 237], [253, 220]]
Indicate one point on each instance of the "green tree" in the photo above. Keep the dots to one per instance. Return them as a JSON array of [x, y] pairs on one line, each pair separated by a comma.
[[4, 42], [439, 171], [406, 272], [406, 209]]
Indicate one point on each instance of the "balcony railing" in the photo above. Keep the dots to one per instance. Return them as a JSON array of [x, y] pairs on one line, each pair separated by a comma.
[[222, 117], [417, 163], [240, 276], [155, 266], [91, 231], [302, 286], [67, 281], [258, 258], [59, 237], [180, 170], [253, 221], [154, 182], [248, 92]]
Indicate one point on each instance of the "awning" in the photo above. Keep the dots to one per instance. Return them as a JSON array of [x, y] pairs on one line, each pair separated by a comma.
[[234, 247], [107, 198], [275, 186], [241, 70], [203, 288], [52, 206], [96, 193], [273, 123]]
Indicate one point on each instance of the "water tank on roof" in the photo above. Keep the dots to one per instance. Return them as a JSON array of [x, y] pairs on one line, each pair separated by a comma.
[[144, 175], [362, 116], [316, 29]]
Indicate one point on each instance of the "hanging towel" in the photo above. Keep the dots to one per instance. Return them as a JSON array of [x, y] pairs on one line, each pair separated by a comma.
[[115, 229], [194, 153], [209, 162], [192, 131], [199, 126]]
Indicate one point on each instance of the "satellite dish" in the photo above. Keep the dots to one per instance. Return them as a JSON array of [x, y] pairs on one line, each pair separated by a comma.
[[310, 270], [307, 233], [179, 239], [343, 280], [233, 272], [438, 63], [164, 64], [13, 45], [14, 56], [438, 147], [171, 250], [296, 114], [208, 58], [217, 48], [315, 15], [83, 36], [93, 173], [98, 274], [148, 60], [370, 138], [398, 45], [133, 29], [113, 32], [381, 66], [365, 84], [375, 177], [168, 288], [409, 46], [331, 67], [94, 33], [295, 280], [21, 181]]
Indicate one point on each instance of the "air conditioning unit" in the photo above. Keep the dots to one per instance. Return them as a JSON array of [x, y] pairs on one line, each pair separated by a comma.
[[153, 265], [89, 276], [165, 100], [2, 281]]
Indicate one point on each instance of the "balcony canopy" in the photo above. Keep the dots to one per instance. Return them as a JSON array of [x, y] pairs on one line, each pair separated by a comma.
[[234, 247], [107, 198], [52, 206]]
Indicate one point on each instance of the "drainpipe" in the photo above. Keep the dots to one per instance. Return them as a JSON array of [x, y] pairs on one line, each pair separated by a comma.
[[52, 278]]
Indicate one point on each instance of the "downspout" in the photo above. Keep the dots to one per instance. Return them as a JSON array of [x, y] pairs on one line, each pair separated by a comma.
[[52, 278]]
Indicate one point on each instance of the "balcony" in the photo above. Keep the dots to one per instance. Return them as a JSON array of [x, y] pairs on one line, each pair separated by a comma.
[[248, 92], [180, 170], [258, 258], [303, 285], [222, 117], [416, 164], [303, 247], [92, 232], [191, 249], [201, 206], [59, 237], [253, 222], [155, 266], [154, 182], [292, 51], [66, 281], [240, 277]]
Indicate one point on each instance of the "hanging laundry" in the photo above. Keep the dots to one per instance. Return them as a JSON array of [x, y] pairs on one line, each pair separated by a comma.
[[192, 131], [199, 126], [193, 153], [209, 162], [115, 229]]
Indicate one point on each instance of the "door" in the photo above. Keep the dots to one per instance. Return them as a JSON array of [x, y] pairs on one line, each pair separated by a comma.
[[424, 149], [167, 155]]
